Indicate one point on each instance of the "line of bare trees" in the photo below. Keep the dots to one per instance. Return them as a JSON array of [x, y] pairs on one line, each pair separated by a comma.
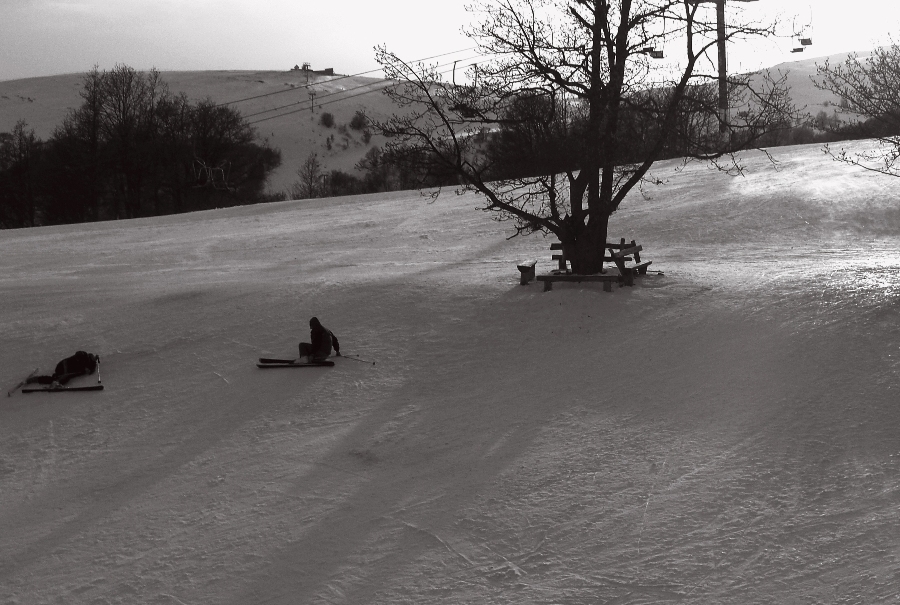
[[132, 148]]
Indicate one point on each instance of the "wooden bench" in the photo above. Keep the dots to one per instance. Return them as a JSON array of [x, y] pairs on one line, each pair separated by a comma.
[[607, 279], [620, 253], [629, 253], [526, 268], [563, 266]]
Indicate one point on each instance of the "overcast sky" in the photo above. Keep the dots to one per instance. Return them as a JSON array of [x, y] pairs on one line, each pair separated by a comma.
[[47, 37]]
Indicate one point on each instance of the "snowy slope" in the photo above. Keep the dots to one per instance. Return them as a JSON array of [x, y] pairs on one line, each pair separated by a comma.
[[724, 433]]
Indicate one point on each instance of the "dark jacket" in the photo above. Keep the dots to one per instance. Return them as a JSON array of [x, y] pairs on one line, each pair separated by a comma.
[[79, 363], [322, 339]]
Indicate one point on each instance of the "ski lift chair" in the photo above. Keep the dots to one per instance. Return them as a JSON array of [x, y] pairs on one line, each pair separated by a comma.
[[655, 54]]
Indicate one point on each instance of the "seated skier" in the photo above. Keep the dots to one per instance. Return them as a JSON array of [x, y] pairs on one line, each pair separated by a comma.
[[79, 364], [322, 342]]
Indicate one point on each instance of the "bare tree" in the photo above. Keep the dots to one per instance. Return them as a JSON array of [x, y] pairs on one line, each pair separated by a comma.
[[309, 183], [128, 100], [587, 66], [19, 176], [869, 88]]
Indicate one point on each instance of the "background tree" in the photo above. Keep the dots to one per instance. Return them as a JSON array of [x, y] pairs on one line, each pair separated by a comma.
[[379, 173], [78, 159], [135, 149], [75, 175], [869, 88], [578, 165], [540, 134], [326, 119], [227, 160], [19, 177], [309, 175], [359, 120], [172, 180], [128, 101]]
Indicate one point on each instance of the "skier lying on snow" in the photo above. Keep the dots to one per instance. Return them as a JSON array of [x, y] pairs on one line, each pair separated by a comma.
[[79, 364], [322, 342]]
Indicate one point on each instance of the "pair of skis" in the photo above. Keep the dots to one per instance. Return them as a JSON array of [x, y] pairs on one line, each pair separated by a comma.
[[266, 362], [61, 388]]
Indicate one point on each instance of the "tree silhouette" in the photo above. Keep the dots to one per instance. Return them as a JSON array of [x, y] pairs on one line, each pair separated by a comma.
[[575, 81], [869, 88]]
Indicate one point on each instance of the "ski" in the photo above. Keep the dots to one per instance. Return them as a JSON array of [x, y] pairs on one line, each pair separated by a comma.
[[22, 383], [93, 387], [269, 360], [294, 364]]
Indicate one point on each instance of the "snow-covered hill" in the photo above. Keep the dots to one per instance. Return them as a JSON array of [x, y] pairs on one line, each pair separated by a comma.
[[723, 432], [278, 104]]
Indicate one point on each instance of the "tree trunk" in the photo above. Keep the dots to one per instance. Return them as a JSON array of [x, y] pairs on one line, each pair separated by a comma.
[[585, 249]]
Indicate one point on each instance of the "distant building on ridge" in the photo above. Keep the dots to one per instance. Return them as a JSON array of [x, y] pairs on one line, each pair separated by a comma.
[[329, 71]]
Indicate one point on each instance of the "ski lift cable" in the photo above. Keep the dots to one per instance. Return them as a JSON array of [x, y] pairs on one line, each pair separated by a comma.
[[362, 73], [371, 89], [341, 92], [345, 98], [287, 113]]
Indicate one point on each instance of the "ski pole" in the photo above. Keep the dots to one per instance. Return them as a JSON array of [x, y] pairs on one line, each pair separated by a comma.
[[22, 383], [356, 358]]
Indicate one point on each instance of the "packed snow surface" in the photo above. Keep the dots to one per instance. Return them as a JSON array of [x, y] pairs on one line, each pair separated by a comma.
[[726, 431]]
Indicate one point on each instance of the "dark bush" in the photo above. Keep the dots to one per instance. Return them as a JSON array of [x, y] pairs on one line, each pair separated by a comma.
[[359, 121], [327, 120], [342, 183]]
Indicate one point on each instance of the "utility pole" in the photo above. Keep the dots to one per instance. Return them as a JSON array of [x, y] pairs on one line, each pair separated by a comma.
[[306, 69], [723, 67], [312, 100], [723, 59]]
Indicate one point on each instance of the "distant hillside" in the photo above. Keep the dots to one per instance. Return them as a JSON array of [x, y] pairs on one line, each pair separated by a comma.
[[803, 92], [43, 103]]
